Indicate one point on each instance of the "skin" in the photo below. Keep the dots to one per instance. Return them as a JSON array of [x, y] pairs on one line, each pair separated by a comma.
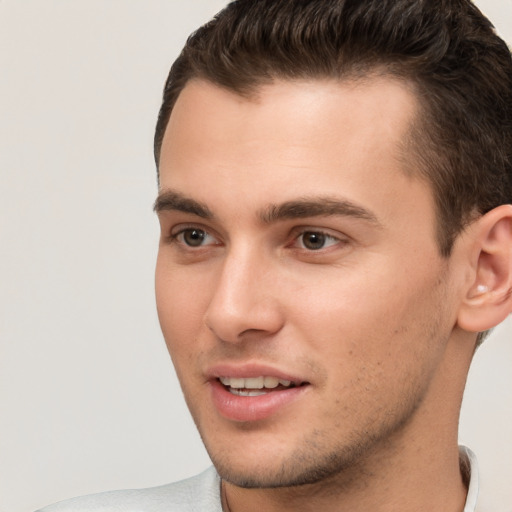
[[358, 318]]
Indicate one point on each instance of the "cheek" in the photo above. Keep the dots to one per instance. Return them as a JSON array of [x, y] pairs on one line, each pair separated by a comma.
[[377, 323], [180, 306], [346, 305], [180, 318], [379, 355]]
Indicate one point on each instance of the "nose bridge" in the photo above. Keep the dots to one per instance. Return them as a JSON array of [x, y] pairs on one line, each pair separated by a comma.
[[245, 297]]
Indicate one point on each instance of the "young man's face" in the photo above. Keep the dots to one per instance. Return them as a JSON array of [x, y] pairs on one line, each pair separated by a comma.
[[299, 284]]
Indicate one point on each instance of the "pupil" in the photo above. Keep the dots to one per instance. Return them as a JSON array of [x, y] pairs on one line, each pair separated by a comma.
[[313, 241], [194, 237]]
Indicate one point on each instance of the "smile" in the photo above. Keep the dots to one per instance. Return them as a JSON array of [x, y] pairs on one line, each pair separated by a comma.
[[255, 386], [254, 398]]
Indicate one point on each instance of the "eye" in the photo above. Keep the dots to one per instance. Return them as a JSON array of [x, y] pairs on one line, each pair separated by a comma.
[[194, 237], [315, 240]]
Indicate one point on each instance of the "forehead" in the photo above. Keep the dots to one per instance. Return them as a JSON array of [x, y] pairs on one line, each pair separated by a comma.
[[290, 139], [319, 112]]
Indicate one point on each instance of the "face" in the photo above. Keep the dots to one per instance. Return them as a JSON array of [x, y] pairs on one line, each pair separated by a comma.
[[298, 279]]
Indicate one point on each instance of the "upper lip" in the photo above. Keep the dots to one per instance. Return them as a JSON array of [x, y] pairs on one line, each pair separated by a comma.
[[249, 370]]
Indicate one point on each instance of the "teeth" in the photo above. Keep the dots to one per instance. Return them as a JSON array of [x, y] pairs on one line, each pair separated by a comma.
[[237, 383], [254, 383], [271, 382], [246, 392]]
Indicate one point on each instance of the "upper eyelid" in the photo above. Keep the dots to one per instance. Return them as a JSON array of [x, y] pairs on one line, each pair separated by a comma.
[[299, 230], [173, 227], [179, 228]]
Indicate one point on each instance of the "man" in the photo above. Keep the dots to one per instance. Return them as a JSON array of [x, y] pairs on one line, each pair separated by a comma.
[[335, 180]]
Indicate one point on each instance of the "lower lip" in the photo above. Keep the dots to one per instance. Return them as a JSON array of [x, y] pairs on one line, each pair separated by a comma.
[[252, 408]]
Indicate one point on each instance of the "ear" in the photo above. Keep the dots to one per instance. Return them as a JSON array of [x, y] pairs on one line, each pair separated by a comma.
[[488, 299]]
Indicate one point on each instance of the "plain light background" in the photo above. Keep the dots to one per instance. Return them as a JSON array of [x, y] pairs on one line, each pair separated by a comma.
[[88, 397]]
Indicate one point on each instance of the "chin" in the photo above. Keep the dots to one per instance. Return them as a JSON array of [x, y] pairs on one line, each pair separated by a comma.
[[303, 467]]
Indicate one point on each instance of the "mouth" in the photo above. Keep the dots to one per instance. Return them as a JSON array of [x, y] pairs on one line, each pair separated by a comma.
[[257, 386], [253, 392]]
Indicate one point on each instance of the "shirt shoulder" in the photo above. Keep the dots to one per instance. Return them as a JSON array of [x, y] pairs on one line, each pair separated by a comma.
[[200, 493]]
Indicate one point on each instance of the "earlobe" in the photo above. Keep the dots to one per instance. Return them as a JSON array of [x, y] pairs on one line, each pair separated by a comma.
[[488, 300]]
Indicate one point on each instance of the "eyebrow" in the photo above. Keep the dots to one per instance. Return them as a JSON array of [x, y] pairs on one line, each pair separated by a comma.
[[321, 206], [317, 207], [170, 200]]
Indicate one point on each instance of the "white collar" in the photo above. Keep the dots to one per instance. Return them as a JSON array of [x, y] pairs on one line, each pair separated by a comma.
[[469, 467]]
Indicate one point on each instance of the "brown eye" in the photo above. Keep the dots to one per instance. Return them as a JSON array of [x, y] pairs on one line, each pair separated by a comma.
[[193, 237], [313, 240]]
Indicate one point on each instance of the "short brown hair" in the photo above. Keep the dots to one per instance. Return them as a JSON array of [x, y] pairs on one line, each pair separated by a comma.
[[460, 69]]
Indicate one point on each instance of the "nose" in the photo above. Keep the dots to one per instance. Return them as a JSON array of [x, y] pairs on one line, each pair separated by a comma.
[[245, 299]]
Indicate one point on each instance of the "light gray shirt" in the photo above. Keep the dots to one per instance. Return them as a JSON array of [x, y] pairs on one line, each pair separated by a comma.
[[201, 493]]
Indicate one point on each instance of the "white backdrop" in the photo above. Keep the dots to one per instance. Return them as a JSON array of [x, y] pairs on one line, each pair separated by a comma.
[[88, 397]]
